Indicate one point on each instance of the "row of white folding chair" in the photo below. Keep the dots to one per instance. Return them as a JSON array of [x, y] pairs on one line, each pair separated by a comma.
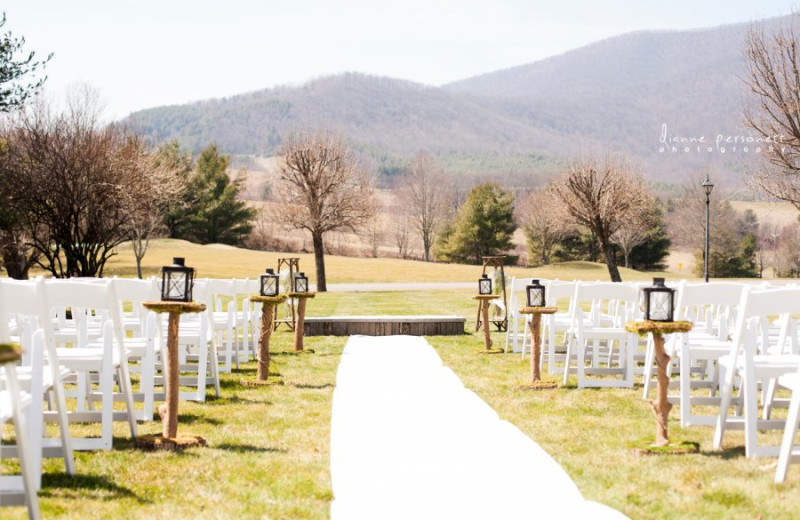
[[18, 489], [41, 375], [754, 361]]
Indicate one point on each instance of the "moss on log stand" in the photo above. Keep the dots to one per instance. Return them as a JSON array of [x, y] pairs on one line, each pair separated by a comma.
[[10, 353], [268, 304], [169, 410], [661, 406], [299, 328]]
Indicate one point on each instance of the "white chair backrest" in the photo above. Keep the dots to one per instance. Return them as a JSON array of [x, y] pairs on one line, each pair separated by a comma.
[[623, 299], [18, 298], [557, 291], [96, 296], [713, 303], [758, 305], [135, 290]]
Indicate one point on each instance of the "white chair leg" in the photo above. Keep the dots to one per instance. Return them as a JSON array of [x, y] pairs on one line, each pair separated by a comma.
[[787, 445], [24, 450]]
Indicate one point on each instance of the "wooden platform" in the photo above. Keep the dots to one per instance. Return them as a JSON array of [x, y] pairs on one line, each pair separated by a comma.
[[384, 325]]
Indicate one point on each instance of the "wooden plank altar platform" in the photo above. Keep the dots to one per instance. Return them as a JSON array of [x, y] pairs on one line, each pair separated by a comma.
[[384, 325]]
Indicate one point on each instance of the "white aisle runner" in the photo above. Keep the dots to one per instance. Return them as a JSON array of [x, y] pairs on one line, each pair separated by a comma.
[[409, 442]]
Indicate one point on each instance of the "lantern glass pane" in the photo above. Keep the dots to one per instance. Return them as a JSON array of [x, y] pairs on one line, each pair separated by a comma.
[[176, 285], [485, 286], [660, 306], [301, 284]]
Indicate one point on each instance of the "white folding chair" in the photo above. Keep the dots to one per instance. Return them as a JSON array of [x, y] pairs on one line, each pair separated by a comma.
[[755, 359], [219, 297], [789, 450], [516, 300], [587, 336], [143, 343], [40, 375], [558, 323], [247, 319], [17, 489], [99, 360]]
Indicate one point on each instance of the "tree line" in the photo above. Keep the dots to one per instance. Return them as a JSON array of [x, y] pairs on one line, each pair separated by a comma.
[[73, 189]]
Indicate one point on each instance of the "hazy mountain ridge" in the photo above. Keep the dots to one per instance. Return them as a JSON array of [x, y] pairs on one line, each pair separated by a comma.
[[613, 95]]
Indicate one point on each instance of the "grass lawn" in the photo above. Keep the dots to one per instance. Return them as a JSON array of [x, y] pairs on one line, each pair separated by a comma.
[[268, 447]]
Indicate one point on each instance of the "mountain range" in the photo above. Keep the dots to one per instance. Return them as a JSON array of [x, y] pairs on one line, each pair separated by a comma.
[[638, 94]]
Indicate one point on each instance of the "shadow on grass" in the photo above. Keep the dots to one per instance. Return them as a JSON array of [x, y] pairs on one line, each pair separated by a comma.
[[236, 399], [248, 448], [60, 484], [191, 418], [308, 386], [734, 452]]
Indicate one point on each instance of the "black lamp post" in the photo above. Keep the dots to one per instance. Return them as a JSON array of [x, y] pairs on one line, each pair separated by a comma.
[[269, 283], [535, 294], [659, 302], [177, 281], [484, 285], [707, 186]]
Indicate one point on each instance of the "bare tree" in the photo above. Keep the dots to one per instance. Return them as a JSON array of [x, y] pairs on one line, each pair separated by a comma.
[[637, 228], [147, 202], [423, 189], [544, 223], [322, 188], [774, 77], [601, 197], [64, 175]]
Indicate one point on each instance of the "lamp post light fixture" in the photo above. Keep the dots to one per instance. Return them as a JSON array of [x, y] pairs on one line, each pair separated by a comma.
[[707, 186], [535, 294], [177, 281], [269, 283], [484, 285], [659, 302], [301, 283]]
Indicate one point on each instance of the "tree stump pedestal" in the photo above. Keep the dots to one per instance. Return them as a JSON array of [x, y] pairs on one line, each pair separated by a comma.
[[299, 329], [169, 439], [536, 346], [484, 300], [661, 406], [268, 304]]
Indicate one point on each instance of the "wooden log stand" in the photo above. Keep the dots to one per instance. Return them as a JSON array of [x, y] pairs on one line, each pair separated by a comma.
[[661, 406], [169, 439], [484, 300], [536, 347], [299, 329], [267, 316]]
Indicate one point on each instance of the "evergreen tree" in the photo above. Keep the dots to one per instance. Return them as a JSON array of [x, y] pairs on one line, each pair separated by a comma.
[[212, 213], [483, 226]]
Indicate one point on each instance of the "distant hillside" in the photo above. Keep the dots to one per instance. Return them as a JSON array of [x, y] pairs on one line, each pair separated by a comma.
[[614, 95]]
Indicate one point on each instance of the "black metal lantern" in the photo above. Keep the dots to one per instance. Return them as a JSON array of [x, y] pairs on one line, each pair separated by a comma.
[[177, 281], [269, 283], [659, 301], [484, 285], [301, 283], [535, 294]]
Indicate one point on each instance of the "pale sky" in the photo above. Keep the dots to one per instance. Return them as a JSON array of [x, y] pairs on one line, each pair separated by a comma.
[[146, 53]]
